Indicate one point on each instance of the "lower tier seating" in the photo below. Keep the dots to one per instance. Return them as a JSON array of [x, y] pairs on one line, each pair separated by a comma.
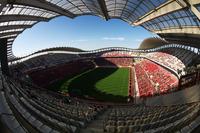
[[153, 79], [168, 119], [36, 110], [26, 108]]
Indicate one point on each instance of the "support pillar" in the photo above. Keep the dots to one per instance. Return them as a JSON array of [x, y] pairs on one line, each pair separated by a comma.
[[3, 56]]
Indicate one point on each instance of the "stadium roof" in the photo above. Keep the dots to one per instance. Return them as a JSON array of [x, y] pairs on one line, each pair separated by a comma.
[[163, 17]]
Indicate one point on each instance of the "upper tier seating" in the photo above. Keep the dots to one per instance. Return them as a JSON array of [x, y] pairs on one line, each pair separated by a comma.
[[43, 61], [166, 60], [46, 76], [186, 56], [124, 62], [116, 54]]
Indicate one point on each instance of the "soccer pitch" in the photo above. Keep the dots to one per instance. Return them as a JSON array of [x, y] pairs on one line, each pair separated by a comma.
[[116, 83], [105, 84]]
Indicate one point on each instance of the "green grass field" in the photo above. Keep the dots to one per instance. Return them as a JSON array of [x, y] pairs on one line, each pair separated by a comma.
[[105, 84]]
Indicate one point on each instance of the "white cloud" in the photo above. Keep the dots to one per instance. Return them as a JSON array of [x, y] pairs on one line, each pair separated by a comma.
[[80, 40], [138, 40], [114, 38]]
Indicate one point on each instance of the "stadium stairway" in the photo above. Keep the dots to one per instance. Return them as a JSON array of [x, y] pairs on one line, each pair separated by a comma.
[[131, 82], [95, 64], [97, 125]]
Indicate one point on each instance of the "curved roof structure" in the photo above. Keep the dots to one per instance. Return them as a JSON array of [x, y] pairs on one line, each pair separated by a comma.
[[163, 17], [153, 42]]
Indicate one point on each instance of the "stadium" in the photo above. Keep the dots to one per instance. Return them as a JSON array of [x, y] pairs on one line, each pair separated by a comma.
[[151, 89]]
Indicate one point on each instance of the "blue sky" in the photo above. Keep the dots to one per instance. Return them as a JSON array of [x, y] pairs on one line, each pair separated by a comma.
[[85, 32]]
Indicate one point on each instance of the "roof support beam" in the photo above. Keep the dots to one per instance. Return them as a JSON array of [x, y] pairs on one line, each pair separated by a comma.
[[9, 51], [104, 10], [6, 18], [168, 7], [2, 35], [43, 5], [184, 30], [3, 57], [12, 37], [3, 4], [190, 3], [11, 27], [10, 43], [9, 36]]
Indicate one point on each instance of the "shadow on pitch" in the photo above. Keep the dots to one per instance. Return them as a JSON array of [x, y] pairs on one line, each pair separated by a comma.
[[84, 86]]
